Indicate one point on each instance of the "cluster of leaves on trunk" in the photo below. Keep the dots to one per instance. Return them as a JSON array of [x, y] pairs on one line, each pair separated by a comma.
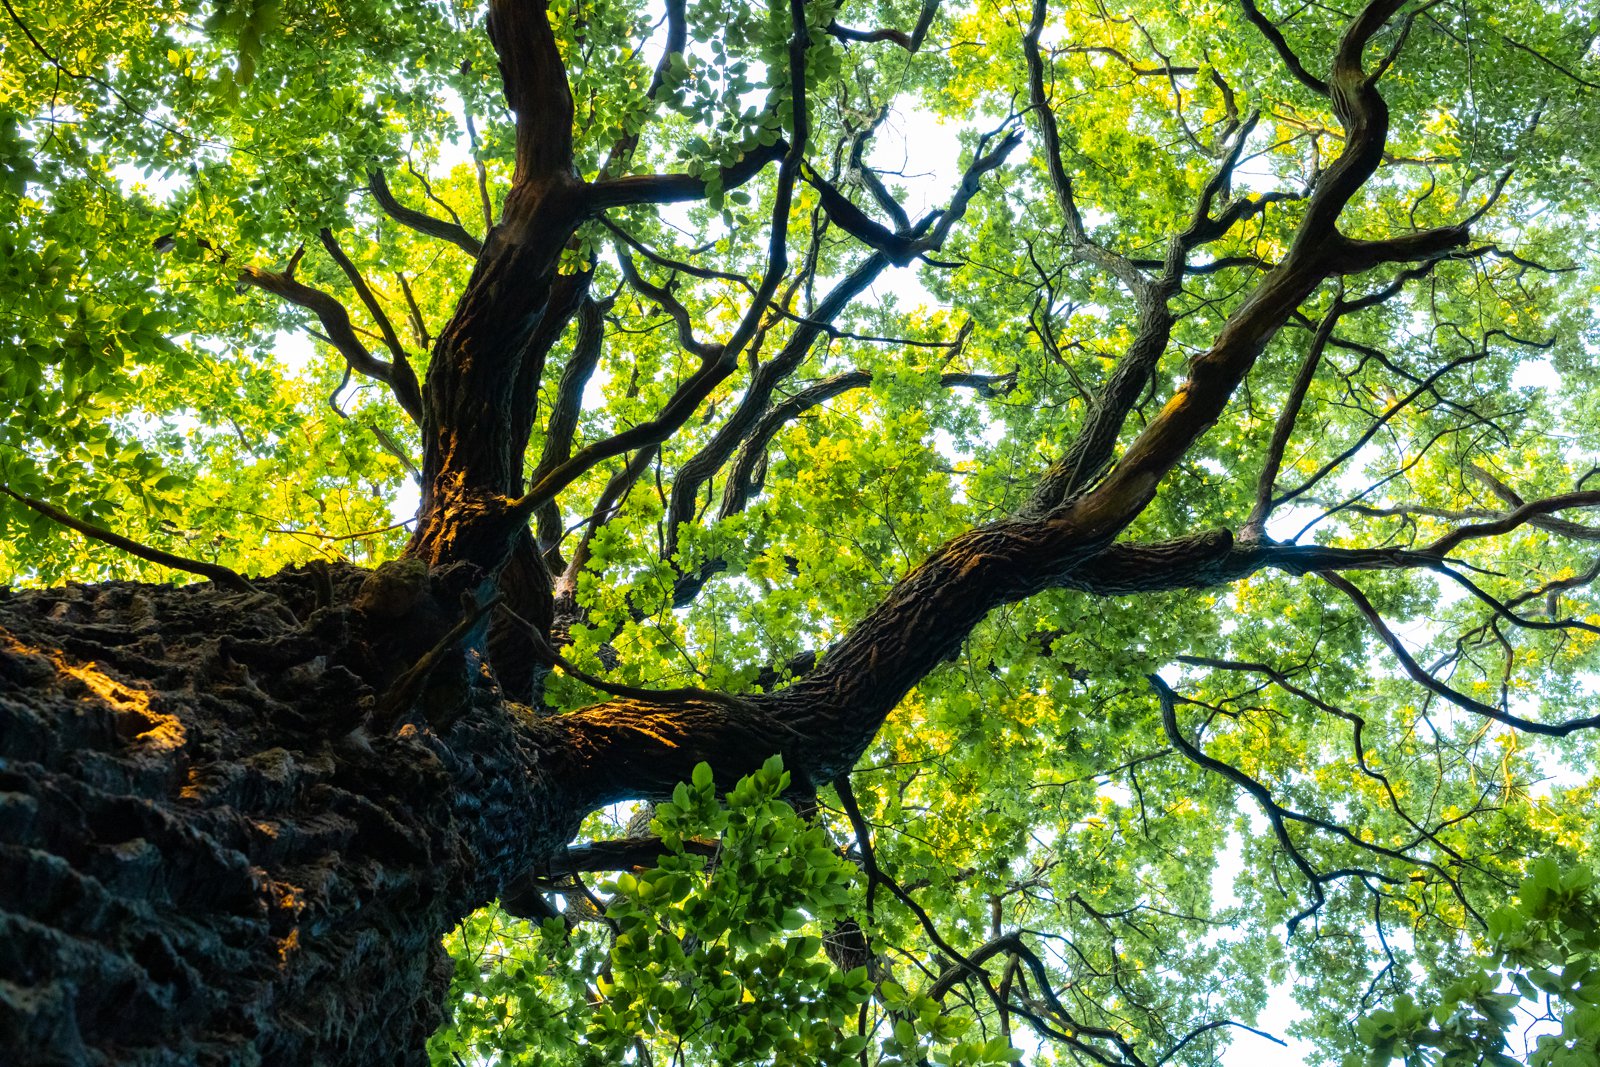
[[1105, 479]]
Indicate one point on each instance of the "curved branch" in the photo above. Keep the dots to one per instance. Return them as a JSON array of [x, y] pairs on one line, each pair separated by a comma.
[[1527, 513], [1377, 424], [699, 468], [335, 319], [702, 466], [743, 481], [400, 367], [662, 295], [420, 221], [608, 504], [1422, 677], [900, 248], [1280, 44], [911, 42], [1060, 180]]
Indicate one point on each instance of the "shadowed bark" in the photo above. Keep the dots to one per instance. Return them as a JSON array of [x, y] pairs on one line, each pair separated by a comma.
[[215, 851]]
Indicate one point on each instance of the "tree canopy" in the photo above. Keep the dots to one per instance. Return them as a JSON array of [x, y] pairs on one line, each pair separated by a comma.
[[1047, 523]]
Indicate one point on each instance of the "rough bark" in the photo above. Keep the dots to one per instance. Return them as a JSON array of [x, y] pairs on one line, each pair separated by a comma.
[[242, 823], [221, 845]]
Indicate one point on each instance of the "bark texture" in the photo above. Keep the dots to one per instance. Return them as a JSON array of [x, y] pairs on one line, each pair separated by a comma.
[[217, 849]]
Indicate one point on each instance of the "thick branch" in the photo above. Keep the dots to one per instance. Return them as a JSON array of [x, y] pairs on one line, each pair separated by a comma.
[[911, 42], [623, 854], [900, 248], [676, 188], [536, 89]]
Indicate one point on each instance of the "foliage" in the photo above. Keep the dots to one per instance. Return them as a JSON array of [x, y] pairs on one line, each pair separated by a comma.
[[1546, 950], [153, 153], [717, 961], [710, 959]]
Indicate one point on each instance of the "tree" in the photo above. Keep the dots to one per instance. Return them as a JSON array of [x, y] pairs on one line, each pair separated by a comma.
[[1209, 501]]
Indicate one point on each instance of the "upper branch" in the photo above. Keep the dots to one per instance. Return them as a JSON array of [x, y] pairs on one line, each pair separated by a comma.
[[869, 177], [720, 361], [1215, 374], [663, 296], [701, 467], [900, 248], [401, 366], [1527, 513], [1270, 31], [336, 322], [1424, 678], [420, 221], [911, 42], [536, 88], [677, 41], [1283, 429], [674, 188], [563, 422], [1083, 247], [744, 477]]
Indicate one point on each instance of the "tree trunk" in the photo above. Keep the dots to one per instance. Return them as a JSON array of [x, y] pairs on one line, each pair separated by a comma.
[[241, 824], [221, 844]]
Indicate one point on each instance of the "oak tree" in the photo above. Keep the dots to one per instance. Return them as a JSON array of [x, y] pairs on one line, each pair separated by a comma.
[[942, 532]]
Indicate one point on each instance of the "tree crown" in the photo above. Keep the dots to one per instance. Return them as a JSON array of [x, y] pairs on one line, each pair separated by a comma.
[[1249, 348]]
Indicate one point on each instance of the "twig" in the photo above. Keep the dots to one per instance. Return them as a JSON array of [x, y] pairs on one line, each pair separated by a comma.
[[684, 695]]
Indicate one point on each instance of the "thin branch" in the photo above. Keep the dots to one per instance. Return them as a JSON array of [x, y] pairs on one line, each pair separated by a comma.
[[1424, 678], [1283, 429], [420, 221], [1197, 1031], [1280, 44], [335, 319], [401, 367], [682, 695], [214, 571]]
